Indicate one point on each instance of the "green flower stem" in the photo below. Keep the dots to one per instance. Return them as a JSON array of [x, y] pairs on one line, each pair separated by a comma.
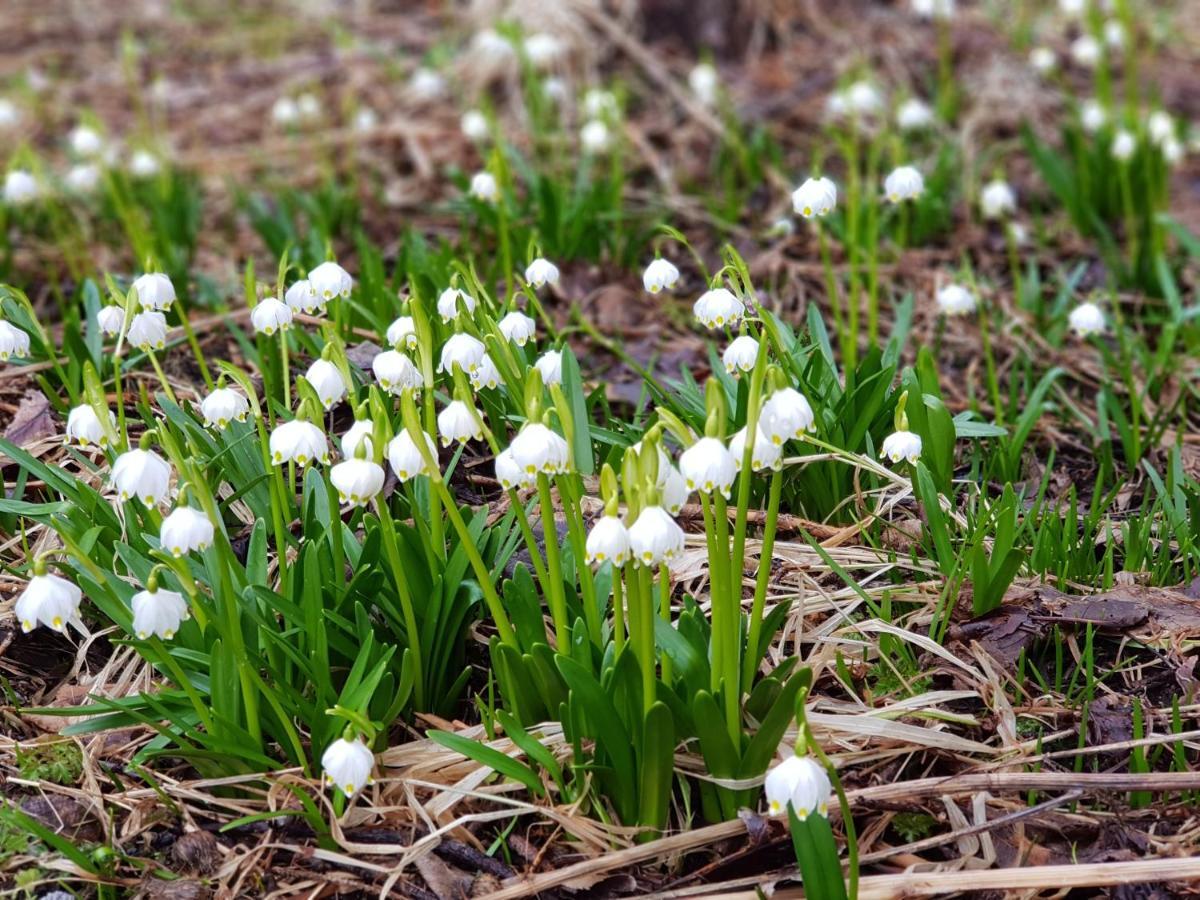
[[162, 378], [392, 551], [571, 498], [873, 247], [1131, 223], [664, 611], [557, 598], [190, 334], [285, 371], [1014, 263], [646, 637], [726, 605], [171, 665], [618, 592], [847, 814], [990, 364], [717, 582], [853, 191], [831, 287], [751, 660], [437, 527]]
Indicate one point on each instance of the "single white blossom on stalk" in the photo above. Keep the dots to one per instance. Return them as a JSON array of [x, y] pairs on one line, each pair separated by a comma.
[[308, 105], [914, 114], [1092, 116], [366, 119], [357, 481], [510, 474], [406, 458], [111, 319], [1160, 126], [863, 99], [222, 406], [491, 46], [902, 445], [13, 341], [158, 612], [348, 765], [718, 308], [816, 197], [904, 183], [655, 537], [550, 365], [594, 137], [484, 187], [997, 200], [608, 541], [933, 9], [10, 114], [518, 328], [298, 441], [474, 125], [765, 454], [448, 304], [740, 355], [704, 82], [396, 373], [540, 450], [1172, 151], [82, 178], [326, 379], [47, 600], [1114, 34], [142, 474], [1124, 145], [148, 330], [1087, 319], [360, 434], [1072, 8], [330, 280], [955, 300], [556, 89], [800, 781], [426, 85], [85, 428], [600, 104], [144, 164], [20, 188], [541, 272], [836, 106], [543, 49], [660, 275], [1043, 60], [486, 375], [285, 112], [85, 141], [302, 297], [708, 466], [1085, 51], [785, 416], [459, 422], [154, 291], [461, 350], [184, 530], [270, 315], [674, 489], [402, 333]]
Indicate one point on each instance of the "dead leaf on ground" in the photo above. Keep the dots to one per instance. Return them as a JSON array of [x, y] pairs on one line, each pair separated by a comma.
[[33, 420]]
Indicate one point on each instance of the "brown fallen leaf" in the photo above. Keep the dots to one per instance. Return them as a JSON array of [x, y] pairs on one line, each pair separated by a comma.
[[33, 420]]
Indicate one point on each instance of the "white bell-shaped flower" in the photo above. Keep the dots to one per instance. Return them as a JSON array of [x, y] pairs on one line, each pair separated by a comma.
[[765, 454], [902, 445], [10, 114], [914, 114], [82, 178], [903, 183], [184, 530], [800, 781], [719, 308], [1092, 116], [785, 416], [402, 333], [934, 9], [148, 330], [222, 406], [406, 458], [85, 428], [85, 141], [48, 600], [518, 327], [486, 375], [660, 275], [360, 434], [1160, 126], [298, 441], [474, 125], [1124, 145], [348, 765], [270, 315], [1087, 319], [863, 99], [285, 112], [540, 450], [13, 341], [326, 379], [550, 365], [1043, 60], [452, 301], [997, 200], [144, 164], [330, 280], [541, 272], [594, 137], [426, 85], [154, 291], [461, 350], [21, 188], [674, 489], [600, 104], [396, 373], [458, 422], [955, 300], [484, 187], [705, 82], [608, 541], [357, 481], [159, 612], [816, 197], [708, 466], [510, 474], [655, 537], [111, 319], [142, 474], [543, 49], [1085, 51], [740, 355], [303, 297], [1114, 34]]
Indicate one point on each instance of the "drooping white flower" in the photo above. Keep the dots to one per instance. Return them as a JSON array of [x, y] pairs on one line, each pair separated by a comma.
[[285, 111], [426, 85], [1160, 126], [85, 141], [222, 406], [298, 441], [308, 105], [348, 765], [13, 341], [785, 416], [904, 183], [660, 275], [816, 197], [474, 125], [655, 537], [1085, 51], [357, 481], [302, 297], [366, 119], [484, 187], [142, 474], [539, 450], [934, 9], [718, 308], [674, 489], [997, 200], [85, 428], [707, 466], [111, 319], [10, 114], [1087, 319], [451, 301], [159, 612], [458, 422], [902, 445], [608, 541], [271, 315], [461, 350], [1114, 34], [184, 530], [509, 473], [1072, 8], [1092, 116], [1172, 151], [914, 114], [20, 188], [486, 375], [326, 379], [550, 365], [863, 99], [491, 46], [1043, 60], [704, 82], [955, 300], [402, 333], [518, 327], [765, 454], [148, 330], [330, 280], [48, 600], [740, 355], [541, 272], [1124, 145], [361, 433], [82, 178], [144, 164], [800, 781], [543, 49], [556, 89], [600, 104], [154, 291], [396, 373], [406, 458]]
